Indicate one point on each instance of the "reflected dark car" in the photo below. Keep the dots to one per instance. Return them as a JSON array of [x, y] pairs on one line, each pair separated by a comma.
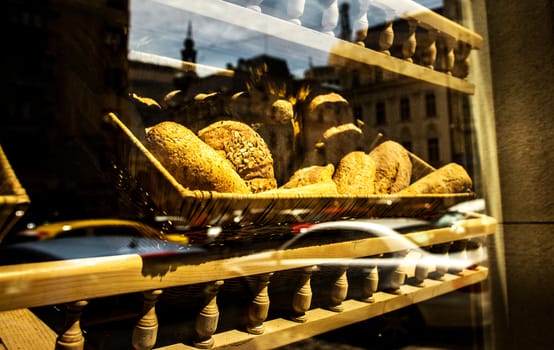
[[94, 246], [94, 227]]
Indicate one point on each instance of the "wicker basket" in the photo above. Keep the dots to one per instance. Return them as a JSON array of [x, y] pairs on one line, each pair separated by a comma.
[[143, 175], [13, 198]]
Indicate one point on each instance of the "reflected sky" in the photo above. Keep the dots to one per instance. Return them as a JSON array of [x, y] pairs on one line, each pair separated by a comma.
[[157, 27]]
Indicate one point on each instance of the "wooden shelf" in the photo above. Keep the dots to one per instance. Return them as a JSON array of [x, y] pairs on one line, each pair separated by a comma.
[[340, 52], [49, 283], [21, 329], [408, 9]]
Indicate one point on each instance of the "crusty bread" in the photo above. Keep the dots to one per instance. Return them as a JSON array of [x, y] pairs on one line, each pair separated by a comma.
[[328, 188], [329, 108], [310, 175], [192, 162], [341, 140], [245, 149], [355, 174], [393, 167], [450, 178]]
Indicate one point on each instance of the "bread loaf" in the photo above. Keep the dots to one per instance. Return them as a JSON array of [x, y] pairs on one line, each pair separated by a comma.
[[341, 140], [329, 108], [355, 174], [310, 175], [450, 178], [323, 189], [393, 167], [245, 149], [192, 162]]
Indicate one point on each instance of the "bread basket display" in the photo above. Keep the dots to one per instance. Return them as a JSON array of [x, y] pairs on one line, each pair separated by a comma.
[[146, 177], [14, 200]]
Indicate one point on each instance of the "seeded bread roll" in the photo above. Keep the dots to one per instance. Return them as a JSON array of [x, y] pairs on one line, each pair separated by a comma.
[[245, 149], [393, 167], [310, 175], [355, 174], [450, 178], [192, 162]]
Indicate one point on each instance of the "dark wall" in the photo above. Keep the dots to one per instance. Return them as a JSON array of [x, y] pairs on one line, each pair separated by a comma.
[[521, 42], [65, 68]]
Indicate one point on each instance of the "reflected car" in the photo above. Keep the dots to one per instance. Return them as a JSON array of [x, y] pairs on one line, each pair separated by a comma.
[[66, 248], [394, 229], [455, 309], [404, 257], [158, 257], [460, 211], [94, 228]]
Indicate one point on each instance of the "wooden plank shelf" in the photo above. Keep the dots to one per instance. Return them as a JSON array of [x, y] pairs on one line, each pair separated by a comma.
[[21, 329]]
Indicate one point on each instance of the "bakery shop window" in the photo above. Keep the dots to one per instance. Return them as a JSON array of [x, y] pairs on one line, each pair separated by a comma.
[[430, 105], [404, 109], [380, 113]]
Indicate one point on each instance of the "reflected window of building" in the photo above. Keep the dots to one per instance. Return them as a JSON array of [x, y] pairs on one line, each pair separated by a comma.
[[404, 109], [430, 105], [406, 138], [358, 112], [433, 151], [380, 113]]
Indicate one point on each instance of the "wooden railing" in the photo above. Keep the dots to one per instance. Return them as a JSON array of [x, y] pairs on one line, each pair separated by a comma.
[[75, 283], [411, 41]]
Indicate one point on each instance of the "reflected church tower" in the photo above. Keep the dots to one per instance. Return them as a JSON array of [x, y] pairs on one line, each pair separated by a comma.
[[188, 75], [188, 54]]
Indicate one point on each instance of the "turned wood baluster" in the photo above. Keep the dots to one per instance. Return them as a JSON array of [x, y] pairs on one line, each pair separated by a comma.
[[426, 49], [445, 54], [259, 308], [302, 298], [398, 276], [459, 250], [421, 272], [405, 38], [440, 269], [208, 318], [381, 38], [461, 60], [295, 10], [71, 338], [339, 290], [475, 253], [330, 17], [370, 284], [404, 45], [361, 23], [146, 330], [254, 5]]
